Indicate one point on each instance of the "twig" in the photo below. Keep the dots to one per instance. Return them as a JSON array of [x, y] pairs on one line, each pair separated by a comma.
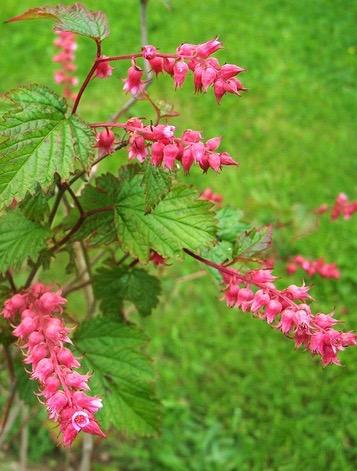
[[144, 34], [8, 407], [71, 289], [87, 449], [11, 281], [24, 438], [84, 86], [9, 362], [148, 71], [12, 416], [61, 190], [133, 263]]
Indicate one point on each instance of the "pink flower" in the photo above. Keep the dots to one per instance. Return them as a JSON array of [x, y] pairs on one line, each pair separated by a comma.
[[157, 64], [149, 52], [42, 336], [170, 153], [134, 83], [180, 71], [208, 195], [137, 149], [103, 69], [210, 47], [105, 142]]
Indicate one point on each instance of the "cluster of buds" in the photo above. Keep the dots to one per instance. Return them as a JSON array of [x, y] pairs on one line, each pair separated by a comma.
[[165, 149], [207, 71], [286, 310], [342, 207], [313, 267], [209, 195], [65, 41], [42, 336]]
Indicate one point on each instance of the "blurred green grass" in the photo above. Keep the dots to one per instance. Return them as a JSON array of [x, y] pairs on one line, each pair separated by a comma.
[[237, 395]]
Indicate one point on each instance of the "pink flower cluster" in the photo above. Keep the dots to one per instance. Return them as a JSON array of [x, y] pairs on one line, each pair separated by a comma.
[[65, 41], [209, 195], [165, 149], [286, 310], [342, 207], [207, 71], [42, 336], [313, 267]]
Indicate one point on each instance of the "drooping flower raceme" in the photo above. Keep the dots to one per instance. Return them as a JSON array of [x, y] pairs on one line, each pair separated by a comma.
[[67, 45], [42, 336], [196, 58], [286, 310], [313, 267], [165, 149], [342, 207]]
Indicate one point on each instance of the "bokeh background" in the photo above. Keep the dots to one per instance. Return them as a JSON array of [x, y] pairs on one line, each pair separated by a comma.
[[237, 395]]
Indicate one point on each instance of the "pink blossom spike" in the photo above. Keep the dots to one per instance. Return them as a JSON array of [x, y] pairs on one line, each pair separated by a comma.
[[42, 336]]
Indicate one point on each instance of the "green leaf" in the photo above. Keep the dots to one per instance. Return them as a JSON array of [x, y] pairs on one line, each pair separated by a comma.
[[26, 387], [115, 285], [75, 18], [157, 183], [179, 220], [122, 375], [36, 207], [230, 224], [37, 140], [254, 242], [20, 239]]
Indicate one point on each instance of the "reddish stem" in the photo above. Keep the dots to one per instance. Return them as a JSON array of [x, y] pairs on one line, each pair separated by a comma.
[[134, 56], [84, 86]]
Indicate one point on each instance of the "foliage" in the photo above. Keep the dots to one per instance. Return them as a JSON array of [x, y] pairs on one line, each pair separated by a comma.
[[112, 232]]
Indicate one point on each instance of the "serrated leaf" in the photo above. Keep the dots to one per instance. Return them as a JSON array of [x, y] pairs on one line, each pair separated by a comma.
[[254, 242], [74, 18], [230, 224], [20, 239], [36, 207], [179, 220], [39, 140], [157, 183], [122, 375], [115, 285]]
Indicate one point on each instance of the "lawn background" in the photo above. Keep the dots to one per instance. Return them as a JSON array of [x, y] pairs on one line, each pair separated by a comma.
[[237, 395]]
